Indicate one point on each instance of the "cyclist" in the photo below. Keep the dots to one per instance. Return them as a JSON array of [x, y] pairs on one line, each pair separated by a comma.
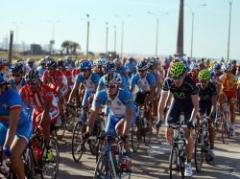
[[146, 83], [99, 68], [15, 127], [120, 106], [207, 104], [185, 99], [227, 86], [89, 80], [56, 80], [44, 103], [17, 73], [216, 73], [42, 67]]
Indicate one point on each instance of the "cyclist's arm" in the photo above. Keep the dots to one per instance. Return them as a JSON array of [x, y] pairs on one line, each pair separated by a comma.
[[13, 122], [161, 104], [74, 91], [92, 118], [195, 101]]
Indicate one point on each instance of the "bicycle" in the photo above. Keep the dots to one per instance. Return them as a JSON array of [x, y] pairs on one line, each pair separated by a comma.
[[48, 168], [110, 158], [178, 151], [222, 122], [78, 143], [201, 143]]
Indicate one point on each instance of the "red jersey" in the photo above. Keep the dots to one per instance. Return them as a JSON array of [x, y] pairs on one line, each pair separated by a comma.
[[75, 72], [57, 81], [69, 76], [37, 99]]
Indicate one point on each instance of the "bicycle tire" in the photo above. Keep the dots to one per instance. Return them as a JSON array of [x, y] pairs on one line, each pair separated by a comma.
[[76, 142], [45, 162], [198, 153]]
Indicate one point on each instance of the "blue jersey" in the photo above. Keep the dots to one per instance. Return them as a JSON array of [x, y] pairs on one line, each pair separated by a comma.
[[19, 85], [90, 84], [116, 106], [143, 84], [41, 71], [10, 99]]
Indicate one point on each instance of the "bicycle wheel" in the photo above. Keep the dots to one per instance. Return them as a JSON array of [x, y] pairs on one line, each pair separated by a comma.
[[50, 165], [199, 152], [77, 142], [148, 132], [105, 168], [174, 165], [135, 138]]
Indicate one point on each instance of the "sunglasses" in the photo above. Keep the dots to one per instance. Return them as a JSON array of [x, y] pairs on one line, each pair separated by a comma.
[[141, 71], [111, 86], [16, 75]]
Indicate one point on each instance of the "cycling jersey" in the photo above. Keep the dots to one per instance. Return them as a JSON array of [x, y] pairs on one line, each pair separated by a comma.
[[144, 83], [69, 77], [116, 107], [41, 71], [206, 94], [75, 72], [182, 101], [228, 84], [11, 100], [57, 81], [38, 100]]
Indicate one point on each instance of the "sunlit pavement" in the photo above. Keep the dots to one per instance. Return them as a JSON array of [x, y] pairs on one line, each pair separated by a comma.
[[152, 162]]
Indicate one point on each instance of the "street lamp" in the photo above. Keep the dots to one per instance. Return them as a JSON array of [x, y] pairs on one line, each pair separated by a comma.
[[192, 34], [115, 38], [229, 29], [122, 31], [88, 30], [52, 40], [107, 29], [157, 29]]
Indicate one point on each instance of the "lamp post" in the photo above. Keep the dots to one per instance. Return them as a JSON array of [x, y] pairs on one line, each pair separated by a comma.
[[106, 42], [88, 32], [115, 39], [229, 29], [157, 29], [192, 34], [52, 40], [122, 32], [180, 33]]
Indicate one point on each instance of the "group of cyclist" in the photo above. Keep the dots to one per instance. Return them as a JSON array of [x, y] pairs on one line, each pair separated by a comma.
[[36, 97]]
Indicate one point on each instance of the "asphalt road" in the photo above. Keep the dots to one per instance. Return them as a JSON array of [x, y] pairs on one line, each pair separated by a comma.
[[152, 162]]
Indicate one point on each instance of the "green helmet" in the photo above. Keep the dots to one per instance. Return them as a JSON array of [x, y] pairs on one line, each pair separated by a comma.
[[204, 74], [177, 69]]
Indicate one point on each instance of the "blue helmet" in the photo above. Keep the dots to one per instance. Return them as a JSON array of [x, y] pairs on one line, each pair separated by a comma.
[[18, 68], [109, 67], [85, 65], [142, 65], [217, 66], [101, 62], [52, 64], [113, 78]]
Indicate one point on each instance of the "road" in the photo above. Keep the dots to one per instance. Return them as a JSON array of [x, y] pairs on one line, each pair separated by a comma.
[[152, 162]]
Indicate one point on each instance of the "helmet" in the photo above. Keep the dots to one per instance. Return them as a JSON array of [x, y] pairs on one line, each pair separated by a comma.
[[85, 65], [48, 58], [3, 61], [217, 66], [113, 78], [42, 61], [195, 66], [109, 66], [61, 63], [204, 74], [101, 62], [177, 69], [51, 64], [226, 67], [18, 68], [142, 65], [32, 75]]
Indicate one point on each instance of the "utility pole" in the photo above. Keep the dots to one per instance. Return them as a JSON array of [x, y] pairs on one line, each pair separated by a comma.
[[88, 31], [10, 47], [229, 30], [180, 34]]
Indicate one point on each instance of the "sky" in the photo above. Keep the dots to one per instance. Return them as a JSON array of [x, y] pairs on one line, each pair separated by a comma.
[[33, 21]]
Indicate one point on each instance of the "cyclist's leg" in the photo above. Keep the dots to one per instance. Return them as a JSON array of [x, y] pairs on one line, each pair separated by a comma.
[[83, 115], [18, 146], [171, 118]]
